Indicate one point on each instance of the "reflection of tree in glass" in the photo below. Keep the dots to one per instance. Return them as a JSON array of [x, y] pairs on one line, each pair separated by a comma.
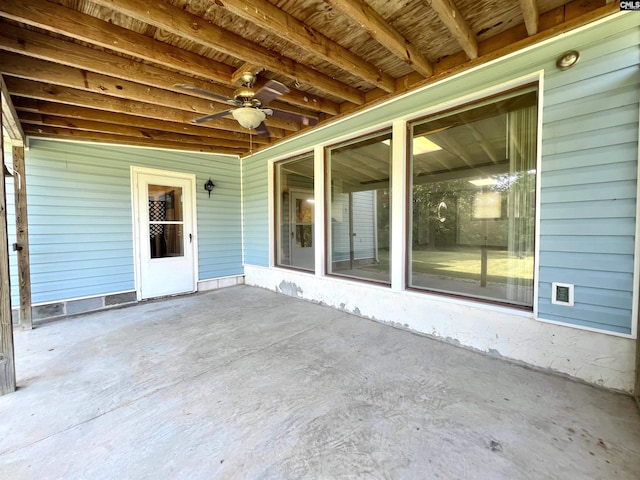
[[304, 210]]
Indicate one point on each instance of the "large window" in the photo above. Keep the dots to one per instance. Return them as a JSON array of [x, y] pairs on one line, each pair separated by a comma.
[[472, 204], [295, 242], [358, 214]]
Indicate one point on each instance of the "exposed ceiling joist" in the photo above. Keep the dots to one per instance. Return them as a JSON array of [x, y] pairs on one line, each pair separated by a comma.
[[457, 26], [236, 78], [68, 22], [80, 98], [384, 33], [530, 14], [196, 29], [124, 130], [70, 115], [280, 23], [69, 134], [108, 70], [61, 75]]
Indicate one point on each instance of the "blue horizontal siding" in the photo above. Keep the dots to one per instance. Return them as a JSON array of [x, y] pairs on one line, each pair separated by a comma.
[[620, 97], [587, 261], [589, 174], [603, 243], [604, 279], [623, 207], [589, 184], [256, 212], [594, 193], [585, 226], [80, 216]]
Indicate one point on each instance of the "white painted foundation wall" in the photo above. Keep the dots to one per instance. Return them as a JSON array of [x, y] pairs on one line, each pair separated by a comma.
[[597, 358]]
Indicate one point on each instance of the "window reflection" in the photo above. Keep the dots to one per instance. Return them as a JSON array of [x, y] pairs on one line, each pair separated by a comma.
[[473, 200], [358, 208], [295, 213]]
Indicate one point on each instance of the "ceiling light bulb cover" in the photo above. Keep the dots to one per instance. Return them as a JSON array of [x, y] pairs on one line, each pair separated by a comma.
[[248, 117], [568, 59]]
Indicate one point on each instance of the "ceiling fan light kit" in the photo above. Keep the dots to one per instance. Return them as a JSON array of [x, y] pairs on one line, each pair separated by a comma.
[[250, 112], [249, 117]]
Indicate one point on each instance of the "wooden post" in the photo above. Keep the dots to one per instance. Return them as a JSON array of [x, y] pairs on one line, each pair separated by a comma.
[[636, 390], [7, 360], [22, 238]]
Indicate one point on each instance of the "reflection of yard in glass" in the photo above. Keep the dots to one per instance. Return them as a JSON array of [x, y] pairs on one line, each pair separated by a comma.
[[466, 263]]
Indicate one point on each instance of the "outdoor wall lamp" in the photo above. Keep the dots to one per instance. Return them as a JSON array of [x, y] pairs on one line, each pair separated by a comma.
[[568, 59], [209, 186]]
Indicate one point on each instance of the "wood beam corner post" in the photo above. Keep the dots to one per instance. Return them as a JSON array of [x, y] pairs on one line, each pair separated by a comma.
[[7, 357], [22, 238]]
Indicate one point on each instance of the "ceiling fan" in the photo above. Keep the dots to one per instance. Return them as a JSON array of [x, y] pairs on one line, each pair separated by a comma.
[[249, 103]]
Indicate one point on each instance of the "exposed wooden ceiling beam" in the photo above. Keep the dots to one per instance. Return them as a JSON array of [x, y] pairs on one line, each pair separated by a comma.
[[65, 52], [81, 98], [68, 134], [384, 33], [179, 22], [10, 122], [69, 22], [530, 14], [456, 24], [56, 74], [73, 24], [278, 22], [236, 78], [70, 114], [125, 130]]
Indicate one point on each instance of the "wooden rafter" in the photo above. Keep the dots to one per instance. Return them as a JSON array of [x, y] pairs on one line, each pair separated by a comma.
[[65, 52], [277, 22], [56, 74], [456, 24], [73, 24], [179, 22], [236, 78], [384, 34], [110, 67], [71, 134], [530, 14], [125, 130], [80, 98], [41, 113]]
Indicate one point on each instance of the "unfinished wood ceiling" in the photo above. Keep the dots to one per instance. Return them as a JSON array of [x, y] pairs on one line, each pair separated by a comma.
[[107, 70]]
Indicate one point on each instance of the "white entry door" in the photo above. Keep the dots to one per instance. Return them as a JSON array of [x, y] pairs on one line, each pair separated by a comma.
[[164, 231], [302, 244]]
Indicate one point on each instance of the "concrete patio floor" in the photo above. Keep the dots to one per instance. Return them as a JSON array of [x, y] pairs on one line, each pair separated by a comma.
[[246, 383]]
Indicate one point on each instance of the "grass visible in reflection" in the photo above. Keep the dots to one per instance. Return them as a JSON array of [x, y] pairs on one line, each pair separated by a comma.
[[466, 263]]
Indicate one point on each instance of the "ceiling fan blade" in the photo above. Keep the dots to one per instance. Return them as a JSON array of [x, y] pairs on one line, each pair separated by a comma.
[[262, 131], [295, 117], [201, 91], [213, 116], [270, 90]]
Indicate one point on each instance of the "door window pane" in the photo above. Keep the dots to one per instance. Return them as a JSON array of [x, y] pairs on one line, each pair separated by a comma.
[[473, 176], [295, 213], [166, 236], [358, 208]]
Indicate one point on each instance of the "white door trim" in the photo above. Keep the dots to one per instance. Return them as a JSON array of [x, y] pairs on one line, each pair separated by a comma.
[[136, 172]]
